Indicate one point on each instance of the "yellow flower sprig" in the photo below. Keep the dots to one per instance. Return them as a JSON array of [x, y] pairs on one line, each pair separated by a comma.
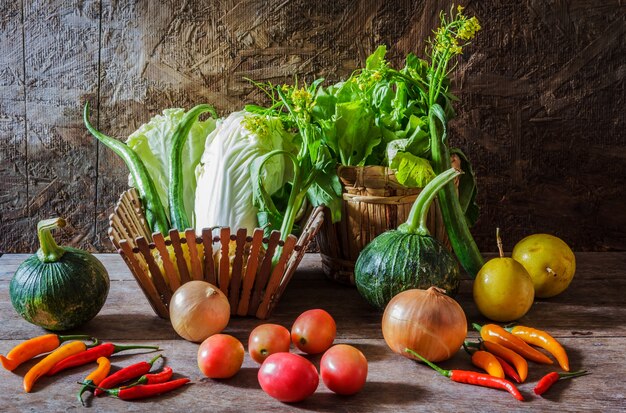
[[449, 40]]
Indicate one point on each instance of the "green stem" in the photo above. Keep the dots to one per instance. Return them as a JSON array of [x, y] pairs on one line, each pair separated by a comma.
[[416, 223], [63, 339], [178, 216], [292, 208], [155, 358], [458, 231], [477, 327], [118, 348], [438, 369], [155, 213], [470, 347], [49, 251], [573, 374]]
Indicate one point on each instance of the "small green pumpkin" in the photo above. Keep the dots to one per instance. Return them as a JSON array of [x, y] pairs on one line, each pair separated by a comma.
[[58, 288], [407, 257]]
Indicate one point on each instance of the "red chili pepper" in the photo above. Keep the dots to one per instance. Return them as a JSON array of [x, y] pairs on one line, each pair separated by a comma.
[[127, 373], [144, 390], [155, 378], [93, 354], [509, 370], [549, 379], [472, 377]]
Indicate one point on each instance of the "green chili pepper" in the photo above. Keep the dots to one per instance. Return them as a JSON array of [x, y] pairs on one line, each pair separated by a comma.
[[155, 213], [175, 190]]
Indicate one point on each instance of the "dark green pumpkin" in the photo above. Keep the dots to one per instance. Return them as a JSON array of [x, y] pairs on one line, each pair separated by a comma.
[[59, 288], [407, 257]]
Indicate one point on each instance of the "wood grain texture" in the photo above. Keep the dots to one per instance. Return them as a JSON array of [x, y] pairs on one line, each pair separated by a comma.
[[14, 216], [540, 113], [590, 326]]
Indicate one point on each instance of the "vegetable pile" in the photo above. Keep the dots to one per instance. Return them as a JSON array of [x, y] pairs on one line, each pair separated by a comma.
[[264, 165], [500, 352], [131, 382]]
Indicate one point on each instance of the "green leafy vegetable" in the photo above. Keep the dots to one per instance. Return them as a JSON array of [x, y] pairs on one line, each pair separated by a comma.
[[412, 171], [314, 176]]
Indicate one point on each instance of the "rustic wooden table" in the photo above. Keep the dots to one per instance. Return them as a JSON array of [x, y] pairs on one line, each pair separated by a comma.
[[588, 319]]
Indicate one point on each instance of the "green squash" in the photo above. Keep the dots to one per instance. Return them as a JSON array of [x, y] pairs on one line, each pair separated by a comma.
[[59, 288], [407, 257]]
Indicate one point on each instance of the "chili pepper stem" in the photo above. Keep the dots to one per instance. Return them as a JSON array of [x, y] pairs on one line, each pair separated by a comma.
[[155, 358], [573, 374], [470, 347], [95, 343], [118, 348], [435, 367], [82, 390], [477, 327]]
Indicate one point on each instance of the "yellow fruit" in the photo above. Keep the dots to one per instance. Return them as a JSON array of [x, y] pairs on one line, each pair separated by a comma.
[[549, 261], [503, 290]]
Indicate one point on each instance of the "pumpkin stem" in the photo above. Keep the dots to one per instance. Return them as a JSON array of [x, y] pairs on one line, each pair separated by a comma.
[[416, 223], [48, 250]]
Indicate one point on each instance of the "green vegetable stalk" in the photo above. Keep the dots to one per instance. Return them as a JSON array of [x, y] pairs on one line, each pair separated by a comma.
[[449, 41], [155, 213], [175, 189], [313, 166]]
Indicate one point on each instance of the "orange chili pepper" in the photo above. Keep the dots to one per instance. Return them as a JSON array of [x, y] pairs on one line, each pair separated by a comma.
[[496, 334], [545, 341], [33, 347], [488, 362], [509, 355], [50, 360], [96, 376]]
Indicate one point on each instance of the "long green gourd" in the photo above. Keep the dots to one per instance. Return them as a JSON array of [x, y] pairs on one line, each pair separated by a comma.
[[458, 231]]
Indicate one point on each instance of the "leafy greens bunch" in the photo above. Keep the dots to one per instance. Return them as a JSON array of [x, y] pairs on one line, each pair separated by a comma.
[[382, 116]]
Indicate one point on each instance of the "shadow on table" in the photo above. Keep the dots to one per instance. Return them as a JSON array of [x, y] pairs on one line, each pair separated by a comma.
[[374, 395]]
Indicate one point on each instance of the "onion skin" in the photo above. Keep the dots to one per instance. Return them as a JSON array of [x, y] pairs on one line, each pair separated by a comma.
[[199, 310], [425, 321]]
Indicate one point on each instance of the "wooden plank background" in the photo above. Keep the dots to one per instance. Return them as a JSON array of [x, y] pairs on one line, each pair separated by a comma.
[[541, 110]]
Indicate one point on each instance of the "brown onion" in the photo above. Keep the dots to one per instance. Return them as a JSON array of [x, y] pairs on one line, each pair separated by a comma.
[[199, 310], [426, 321]]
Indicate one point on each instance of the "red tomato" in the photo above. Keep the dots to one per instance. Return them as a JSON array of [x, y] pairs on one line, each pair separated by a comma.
[[343, 369], [220, 356], [313, 331], [288, 377], [268, 339]]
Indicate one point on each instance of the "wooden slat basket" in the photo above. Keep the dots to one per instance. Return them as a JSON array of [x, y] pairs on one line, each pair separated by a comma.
[[373, 202], [238, 263]]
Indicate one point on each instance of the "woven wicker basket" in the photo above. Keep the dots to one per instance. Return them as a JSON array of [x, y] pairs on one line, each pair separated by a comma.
[[373, 202], [162, 263]]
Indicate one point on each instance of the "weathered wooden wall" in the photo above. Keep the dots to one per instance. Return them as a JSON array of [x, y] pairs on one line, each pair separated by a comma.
[[541, 113]]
